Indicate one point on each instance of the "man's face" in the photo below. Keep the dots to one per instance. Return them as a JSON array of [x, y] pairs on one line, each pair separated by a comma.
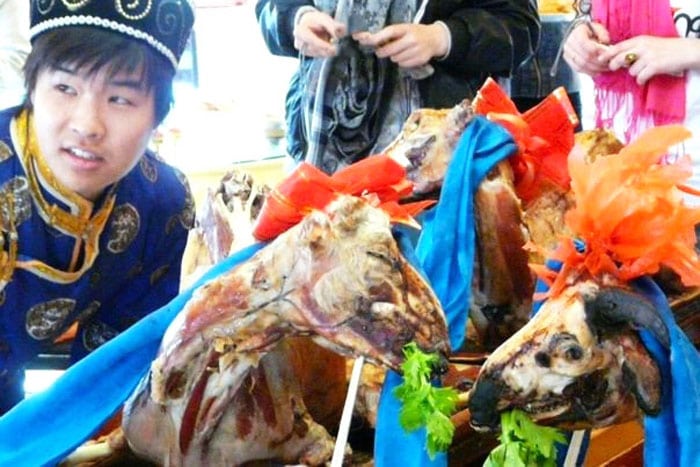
[[91, 129]]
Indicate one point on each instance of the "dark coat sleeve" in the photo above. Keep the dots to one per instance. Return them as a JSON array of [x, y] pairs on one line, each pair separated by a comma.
[[276, 20], [488, 36]]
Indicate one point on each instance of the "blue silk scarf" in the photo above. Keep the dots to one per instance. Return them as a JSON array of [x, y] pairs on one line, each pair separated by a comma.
[[445, 253], [672, 437]]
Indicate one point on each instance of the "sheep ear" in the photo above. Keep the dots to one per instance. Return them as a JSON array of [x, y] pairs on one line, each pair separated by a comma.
[[314, 229], [643, 377], [611, 306]]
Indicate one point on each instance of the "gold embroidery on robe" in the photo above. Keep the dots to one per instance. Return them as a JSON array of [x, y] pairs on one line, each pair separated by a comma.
[[148, 169], [123, 228], [15, 203], [158, 274], [78, 223], [45, 320], [5, 151], [188, 210], [97, 333], [15, 208]]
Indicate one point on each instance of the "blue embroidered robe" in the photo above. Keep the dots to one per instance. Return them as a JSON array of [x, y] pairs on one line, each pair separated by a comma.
[[136, 271]]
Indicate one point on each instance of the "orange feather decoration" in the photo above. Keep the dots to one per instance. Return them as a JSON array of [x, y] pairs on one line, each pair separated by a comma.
[[629, 212]]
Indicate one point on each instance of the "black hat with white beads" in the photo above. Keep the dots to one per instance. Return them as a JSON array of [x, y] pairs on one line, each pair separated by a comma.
[[165, 25]]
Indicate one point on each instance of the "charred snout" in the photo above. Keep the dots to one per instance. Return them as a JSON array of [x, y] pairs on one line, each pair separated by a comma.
[[611, 306], [483, 403]]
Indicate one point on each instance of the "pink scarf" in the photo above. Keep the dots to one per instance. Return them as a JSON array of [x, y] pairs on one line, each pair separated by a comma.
[[662, 99]]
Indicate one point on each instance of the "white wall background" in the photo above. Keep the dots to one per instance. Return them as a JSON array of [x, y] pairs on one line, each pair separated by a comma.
[[242, 89]]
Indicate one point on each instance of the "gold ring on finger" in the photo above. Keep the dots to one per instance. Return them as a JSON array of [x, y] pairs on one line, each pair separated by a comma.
[[630, 58]]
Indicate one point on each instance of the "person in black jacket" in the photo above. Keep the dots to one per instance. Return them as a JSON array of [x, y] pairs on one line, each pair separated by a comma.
[[365, 67]]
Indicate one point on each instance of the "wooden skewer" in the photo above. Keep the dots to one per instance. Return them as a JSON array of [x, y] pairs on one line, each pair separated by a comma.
[[574, 449], [346, 417]]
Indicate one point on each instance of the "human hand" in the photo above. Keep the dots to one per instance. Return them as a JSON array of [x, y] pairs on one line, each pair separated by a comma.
[[408, 45], [316, 33], [648, 56], [584, 46]]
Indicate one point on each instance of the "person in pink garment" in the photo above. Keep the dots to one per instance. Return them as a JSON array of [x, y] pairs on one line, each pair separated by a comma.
[[644, 58]]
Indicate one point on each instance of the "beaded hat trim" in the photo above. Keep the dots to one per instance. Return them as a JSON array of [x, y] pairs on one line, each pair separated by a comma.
[[107, 24], [164, 25]]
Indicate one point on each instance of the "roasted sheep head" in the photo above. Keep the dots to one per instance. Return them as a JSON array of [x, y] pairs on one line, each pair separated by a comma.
[[426, 143], [577, 364], [224, 223], [220, 390], [503, 283]]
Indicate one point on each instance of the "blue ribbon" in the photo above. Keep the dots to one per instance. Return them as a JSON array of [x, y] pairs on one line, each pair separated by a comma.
[[672, 438], [445, 254]]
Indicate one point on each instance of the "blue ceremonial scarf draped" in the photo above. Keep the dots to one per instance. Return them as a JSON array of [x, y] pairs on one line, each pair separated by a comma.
[[445, 254], [45, 428], [672, 437]]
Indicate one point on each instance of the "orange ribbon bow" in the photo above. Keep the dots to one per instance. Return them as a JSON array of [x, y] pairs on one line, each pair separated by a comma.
[[544, 135], [378, 179]]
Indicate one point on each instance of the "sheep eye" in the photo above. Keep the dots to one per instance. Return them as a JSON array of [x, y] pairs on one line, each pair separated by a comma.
[[543, 360], [574, 353], [381, 257]]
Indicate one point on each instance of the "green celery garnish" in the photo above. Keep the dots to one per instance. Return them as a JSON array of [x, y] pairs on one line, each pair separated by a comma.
[[524, 443], [423, 403]]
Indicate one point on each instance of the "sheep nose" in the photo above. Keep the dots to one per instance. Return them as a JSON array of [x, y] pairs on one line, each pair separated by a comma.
[[482, 405]]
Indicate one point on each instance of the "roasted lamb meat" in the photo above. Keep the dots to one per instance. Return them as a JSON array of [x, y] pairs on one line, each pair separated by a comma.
[[221, 391], [224, 222], [502, 283], [426, 143], [577, 364]]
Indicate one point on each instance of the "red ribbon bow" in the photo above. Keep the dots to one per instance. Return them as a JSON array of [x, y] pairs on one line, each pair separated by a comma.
[[378, 179], [544, 135]]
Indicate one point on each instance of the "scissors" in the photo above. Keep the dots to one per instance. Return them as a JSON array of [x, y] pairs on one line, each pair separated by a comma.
[[583, 15]]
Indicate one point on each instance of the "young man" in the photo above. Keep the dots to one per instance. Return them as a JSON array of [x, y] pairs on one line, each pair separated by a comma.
[[92, 224]]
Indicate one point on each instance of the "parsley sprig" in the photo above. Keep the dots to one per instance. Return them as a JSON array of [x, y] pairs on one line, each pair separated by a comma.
[[524, 443], [424, 404]]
